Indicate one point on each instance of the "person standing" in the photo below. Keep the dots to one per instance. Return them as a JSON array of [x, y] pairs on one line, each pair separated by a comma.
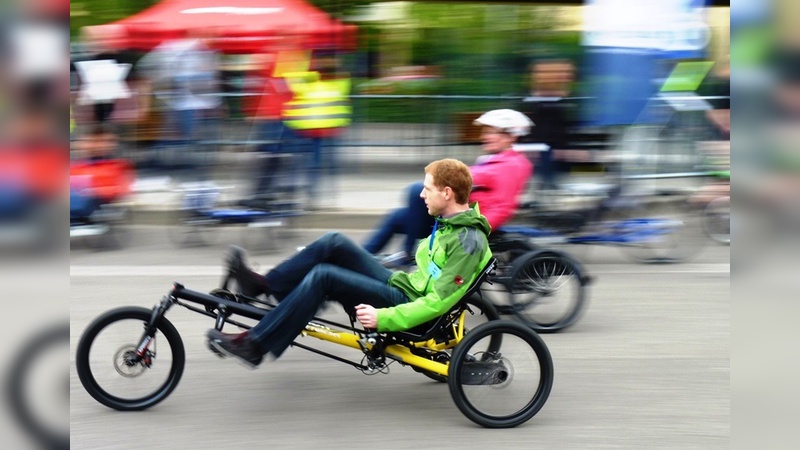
[[548, 105]]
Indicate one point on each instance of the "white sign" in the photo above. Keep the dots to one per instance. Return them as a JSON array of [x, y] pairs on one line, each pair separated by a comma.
[[667, 25], [103, 81]]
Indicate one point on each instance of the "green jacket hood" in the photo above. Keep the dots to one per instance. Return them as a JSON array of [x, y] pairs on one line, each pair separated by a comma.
[[470, 218]]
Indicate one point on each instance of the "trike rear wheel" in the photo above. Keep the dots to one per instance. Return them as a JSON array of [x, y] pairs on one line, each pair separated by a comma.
[[500, 387], [110, 370]]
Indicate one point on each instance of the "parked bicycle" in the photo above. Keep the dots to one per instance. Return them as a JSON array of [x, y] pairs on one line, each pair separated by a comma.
[[201, 216]]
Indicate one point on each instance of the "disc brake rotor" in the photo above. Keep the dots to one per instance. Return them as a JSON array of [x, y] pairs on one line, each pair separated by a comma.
[[127, 364]]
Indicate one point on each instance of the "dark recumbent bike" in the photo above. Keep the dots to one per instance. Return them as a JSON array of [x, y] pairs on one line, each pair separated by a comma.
[[541, 287], [499, 372]]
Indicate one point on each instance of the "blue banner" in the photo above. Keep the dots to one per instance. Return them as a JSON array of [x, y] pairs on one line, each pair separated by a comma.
[[631, 47]]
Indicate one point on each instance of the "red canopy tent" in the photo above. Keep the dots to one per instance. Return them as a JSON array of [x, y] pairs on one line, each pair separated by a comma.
[[235, 26]]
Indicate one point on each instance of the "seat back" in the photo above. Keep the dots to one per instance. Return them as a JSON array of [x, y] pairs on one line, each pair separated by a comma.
[[431, 329]]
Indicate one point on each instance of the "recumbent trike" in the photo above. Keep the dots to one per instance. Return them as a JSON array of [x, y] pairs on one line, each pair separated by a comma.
[[541, 287], [499, 373]]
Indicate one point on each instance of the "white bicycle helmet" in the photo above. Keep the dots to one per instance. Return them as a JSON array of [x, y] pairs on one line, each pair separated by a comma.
[[512, 122]]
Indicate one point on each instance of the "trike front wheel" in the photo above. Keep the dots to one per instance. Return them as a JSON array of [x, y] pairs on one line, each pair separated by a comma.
[[115, 374], [505, 386]]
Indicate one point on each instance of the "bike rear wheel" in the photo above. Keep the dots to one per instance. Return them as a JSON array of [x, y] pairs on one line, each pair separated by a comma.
[[110, 370], [503, 386], [546, 291]]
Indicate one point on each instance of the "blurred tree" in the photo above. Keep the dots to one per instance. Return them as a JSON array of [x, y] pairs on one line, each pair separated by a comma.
[[95, 12]]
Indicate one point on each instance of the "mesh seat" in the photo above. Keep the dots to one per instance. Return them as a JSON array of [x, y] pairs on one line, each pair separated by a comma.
[[431, 329]]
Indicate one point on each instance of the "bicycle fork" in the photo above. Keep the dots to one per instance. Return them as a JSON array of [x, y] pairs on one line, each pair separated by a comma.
[[143, 352]]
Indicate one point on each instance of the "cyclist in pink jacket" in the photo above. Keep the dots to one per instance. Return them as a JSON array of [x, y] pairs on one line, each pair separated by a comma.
[[499, 179]]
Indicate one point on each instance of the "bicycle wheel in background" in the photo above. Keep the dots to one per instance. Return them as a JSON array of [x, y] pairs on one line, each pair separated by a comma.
[[547, 290], [506, 250]]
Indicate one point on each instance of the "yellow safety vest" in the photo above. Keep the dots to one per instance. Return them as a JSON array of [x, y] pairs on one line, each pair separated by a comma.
[[317, 104]]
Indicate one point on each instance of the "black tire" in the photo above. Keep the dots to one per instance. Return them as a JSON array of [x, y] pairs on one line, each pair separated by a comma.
[[482, 312], [20, 384], [479, 376], [547, 290], [88, 371]]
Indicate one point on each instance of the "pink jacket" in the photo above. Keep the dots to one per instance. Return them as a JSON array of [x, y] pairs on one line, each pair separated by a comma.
[[498, 182]]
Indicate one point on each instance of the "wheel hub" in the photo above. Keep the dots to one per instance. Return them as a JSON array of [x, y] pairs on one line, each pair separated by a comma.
[[128, 364], [488, 370]]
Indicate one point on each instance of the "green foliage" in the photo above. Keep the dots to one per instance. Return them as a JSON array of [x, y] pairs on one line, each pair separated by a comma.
[[95, 12]]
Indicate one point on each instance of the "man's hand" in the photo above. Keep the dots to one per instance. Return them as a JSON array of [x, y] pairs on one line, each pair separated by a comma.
[[367, 315]]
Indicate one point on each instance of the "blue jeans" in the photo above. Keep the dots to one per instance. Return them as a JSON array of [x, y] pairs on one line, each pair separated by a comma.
[[331, 268], [271, 133], [81, 206], [413, 221]]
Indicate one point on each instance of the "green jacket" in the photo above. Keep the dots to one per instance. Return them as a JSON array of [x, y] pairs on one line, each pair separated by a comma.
[[460, 250]]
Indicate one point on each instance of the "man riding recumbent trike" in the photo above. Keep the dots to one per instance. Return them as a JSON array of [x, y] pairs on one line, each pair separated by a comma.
[[499, 373]]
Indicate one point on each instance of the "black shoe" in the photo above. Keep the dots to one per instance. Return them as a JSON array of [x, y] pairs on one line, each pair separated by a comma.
[[250, 283], [239, 346]]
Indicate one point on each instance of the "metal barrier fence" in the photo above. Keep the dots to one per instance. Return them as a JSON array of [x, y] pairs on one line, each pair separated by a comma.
[[420, 128]]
